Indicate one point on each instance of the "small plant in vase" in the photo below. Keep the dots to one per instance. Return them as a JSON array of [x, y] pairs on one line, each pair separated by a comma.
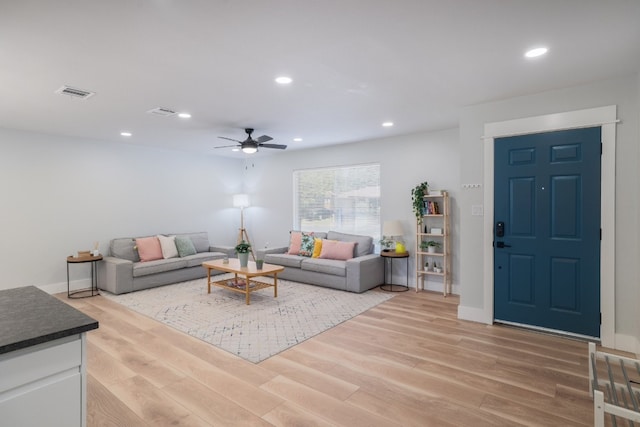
[[430, 245], [242, 249], [387, 243]]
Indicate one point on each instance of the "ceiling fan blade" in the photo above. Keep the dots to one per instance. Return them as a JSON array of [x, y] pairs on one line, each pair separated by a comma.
[[226, 146], [278, 146], [230, 139], [264, 138]]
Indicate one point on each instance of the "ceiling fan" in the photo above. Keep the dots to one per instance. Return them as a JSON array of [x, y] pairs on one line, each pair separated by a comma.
[[251, 145]]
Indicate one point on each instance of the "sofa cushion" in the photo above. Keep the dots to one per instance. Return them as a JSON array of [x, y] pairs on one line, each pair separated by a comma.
[[364, 244], [284, 260], [185, 247], [295, 240], [197, 259], [317, 247], [149, 248], [333, 249], [326, 266], [168, 246], [157, 266], [124, 248], [200, 241], [306, 245]]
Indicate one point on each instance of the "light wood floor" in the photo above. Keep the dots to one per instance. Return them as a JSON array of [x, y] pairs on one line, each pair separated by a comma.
[[406, 362]]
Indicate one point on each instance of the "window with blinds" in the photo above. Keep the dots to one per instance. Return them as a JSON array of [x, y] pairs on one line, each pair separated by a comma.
[[345, 199]]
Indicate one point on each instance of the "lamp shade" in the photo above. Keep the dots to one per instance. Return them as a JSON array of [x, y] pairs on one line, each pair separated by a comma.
[[240, 200], [392, 228]]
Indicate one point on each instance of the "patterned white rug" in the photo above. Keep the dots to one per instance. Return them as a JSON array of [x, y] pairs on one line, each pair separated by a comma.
[[254, 332]]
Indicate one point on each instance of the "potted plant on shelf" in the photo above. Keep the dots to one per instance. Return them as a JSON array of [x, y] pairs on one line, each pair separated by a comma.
[[417, 198], [430, 245], [242, 249]]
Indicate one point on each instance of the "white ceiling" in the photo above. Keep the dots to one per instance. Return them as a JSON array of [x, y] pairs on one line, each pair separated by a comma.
[[355, 64]]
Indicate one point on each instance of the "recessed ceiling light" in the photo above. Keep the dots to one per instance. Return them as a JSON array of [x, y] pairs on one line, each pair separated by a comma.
[[184, 115], [235, 149], [534, 53], [297, 139], [387, 124], [283, 80], [126, 133]]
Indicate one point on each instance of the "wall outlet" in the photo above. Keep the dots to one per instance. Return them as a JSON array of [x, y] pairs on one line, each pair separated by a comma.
[[477, 210]]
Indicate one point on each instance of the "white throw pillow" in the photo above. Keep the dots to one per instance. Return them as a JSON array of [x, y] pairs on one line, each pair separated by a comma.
[[168, 245]]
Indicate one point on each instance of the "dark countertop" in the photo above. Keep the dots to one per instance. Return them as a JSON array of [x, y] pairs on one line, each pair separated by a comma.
[[30, 316]]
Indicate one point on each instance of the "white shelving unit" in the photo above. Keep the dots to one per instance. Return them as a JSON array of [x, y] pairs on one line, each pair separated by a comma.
[[435, 226]]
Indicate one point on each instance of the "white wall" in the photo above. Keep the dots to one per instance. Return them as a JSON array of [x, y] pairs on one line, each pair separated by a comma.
[[405, 162], [60, 195], [622, 92]]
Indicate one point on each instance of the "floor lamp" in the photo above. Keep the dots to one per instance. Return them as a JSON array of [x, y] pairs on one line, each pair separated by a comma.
[[242, 201]]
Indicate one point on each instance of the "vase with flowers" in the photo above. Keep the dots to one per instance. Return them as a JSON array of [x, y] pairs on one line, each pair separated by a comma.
[[242, 249]]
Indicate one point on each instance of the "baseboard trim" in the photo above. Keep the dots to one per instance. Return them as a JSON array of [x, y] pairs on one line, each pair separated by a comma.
[[627, 343], [473, 314], [56, 288]]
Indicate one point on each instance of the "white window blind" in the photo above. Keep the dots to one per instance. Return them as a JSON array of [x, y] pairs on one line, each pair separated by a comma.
[[345, 199]]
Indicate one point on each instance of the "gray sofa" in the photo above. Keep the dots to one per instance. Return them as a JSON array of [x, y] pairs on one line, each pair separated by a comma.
[[121, 270], [359, 274]]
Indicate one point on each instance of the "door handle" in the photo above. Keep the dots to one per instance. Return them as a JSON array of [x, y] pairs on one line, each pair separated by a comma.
[[502, 245]]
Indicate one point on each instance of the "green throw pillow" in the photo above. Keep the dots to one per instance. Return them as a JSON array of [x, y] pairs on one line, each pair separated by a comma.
[[306, 246], [185, 246]]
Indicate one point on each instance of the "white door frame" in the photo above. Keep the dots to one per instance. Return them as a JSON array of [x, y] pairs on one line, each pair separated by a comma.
[[605, 117]]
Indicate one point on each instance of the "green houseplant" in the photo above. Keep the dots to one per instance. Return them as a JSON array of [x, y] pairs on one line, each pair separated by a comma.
[[242, 249], [386, 243], [430, 245], [417, 198]]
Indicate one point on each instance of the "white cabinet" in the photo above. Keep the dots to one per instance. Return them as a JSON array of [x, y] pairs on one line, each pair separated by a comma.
[[44, 385], [435, 228]]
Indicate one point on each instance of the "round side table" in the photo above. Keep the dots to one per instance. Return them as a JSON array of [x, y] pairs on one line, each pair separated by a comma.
[[93, 290], [391, 255]]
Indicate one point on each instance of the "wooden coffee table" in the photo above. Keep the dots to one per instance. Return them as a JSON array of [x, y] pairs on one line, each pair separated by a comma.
[[247, 274]]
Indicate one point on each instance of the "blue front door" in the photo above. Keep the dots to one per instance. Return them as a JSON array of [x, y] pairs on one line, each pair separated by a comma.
[[547, 230]]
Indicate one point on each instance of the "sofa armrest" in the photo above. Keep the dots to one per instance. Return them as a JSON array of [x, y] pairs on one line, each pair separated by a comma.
[[229, 251], [115, 275], [365, 272], [260, 253]]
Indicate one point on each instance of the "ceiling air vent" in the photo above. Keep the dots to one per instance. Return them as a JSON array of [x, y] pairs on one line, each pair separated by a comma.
[[162, 112], [75, 92]]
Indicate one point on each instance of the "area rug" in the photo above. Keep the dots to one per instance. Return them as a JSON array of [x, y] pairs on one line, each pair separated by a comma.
[[254, 332]]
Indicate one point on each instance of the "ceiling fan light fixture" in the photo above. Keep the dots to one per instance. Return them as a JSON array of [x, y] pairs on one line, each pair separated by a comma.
[[249, 150]]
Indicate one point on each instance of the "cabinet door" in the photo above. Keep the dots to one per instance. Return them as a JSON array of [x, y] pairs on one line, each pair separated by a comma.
[[54, 403]]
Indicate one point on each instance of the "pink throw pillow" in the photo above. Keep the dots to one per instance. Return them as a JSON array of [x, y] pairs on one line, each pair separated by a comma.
[[332, 249], [295, 242], [149, 248]]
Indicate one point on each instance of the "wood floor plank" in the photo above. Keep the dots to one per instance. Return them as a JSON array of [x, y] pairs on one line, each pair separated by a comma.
[[325, 406], [408, 361], [104, 409], [310, 377], [288, 414], [210, 405], [150, 403]]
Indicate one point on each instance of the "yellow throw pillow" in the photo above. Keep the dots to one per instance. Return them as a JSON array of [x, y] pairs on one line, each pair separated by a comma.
[[317, 248]]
